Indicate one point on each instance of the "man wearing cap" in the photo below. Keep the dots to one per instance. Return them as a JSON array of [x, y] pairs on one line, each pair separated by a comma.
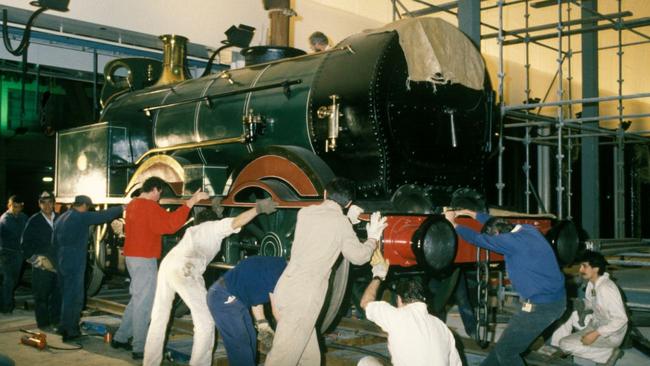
[[146, 223], [12, 223], [534, 272], [71, 243], [37, 247]]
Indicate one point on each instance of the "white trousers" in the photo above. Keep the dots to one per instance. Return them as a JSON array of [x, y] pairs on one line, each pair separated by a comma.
[[569, 342], [180, 275]]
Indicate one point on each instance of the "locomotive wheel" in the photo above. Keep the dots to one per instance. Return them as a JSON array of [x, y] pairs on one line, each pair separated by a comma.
[[272, 235], [94, 275], [269, 235]]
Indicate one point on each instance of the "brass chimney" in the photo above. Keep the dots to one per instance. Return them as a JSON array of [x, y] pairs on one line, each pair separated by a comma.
[[174, 52]]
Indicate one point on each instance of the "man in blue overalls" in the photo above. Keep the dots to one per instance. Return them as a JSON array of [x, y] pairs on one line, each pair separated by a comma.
[[12, 223], [37, 248], [71, 241]]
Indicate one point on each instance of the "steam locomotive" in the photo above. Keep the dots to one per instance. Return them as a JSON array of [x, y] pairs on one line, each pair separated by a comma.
[[282, 129]]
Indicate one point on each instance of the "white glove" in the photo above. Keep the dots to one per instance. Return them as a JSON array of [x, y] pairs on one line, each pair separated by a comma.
[[380, 269], [265, 336], [376, 226], [353, 214]]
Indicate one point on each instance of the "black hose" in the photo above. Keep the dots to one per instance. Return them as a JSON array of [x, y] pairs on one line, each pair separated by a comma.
[[208, 67], [24, 43]]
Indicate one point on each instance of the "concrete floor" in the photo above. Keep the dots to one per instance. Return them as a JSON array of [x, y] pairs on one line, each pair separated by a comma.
[[352, 333], [96, 352]]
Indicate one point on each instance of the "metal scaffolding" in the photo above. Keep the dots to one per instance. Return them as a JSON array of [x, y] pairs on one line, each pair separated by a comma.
[[568, 129], [563, 131]]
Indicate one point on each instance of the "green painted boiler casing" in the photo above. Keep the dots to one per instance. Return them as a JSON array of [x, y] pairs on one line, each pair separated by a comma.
[[392, 133]]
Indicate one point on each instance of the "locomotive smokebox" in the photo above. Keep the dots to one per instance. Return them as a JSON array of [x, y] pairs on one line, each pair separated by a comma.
[[425, 240]]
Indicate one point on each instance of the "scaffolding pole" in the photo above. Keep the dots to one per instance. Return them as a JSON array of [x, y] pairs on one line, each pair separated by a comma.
[[569, 152], [559, 157], [526, 141], [500, 76], [619, 148]]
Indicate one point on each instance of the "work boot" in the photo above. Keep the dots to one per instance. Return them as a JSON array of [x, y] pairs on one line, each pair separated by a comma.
[[123, 345], [66, 337]]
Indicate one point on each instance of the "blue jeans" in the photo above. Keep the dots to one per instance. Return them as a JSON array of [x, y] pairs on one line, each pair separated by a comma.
[[71, 271], [135, 322], [10, 264], [47, 297], [523, 328], [235, 325]]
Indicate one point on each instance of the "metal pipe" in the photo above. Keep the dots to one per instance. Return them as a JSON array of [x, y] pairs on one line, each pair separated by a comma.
[[208, 98], [576, 101], [637, 305], [528, 30], [395, 11], [619, 149], [559, 156], [569, 152], [634, 254], [519, 139], [616, 46], [482, 23], [572, 136], [529, 124], [597, 13], [505, 3], [608, 118], [192, 145], [500, 184], [404, 7], [641, 22], [95, 72], [526, 167], [626, 263]]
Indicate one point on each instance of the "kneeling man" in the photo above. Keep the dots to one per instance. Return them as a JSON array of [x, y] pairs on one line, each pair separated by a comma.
[[599, 334]]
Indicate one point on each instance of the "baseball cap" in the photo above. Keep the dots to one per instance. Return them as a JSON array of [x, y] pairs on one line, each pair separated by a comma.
[[82, 199], [45, 195]]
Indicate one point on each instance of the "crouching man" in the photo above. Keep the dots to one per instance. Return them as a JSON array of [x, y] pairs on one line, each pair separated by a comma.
[[415, 337], [598, 334], [181, 271], [247, 286]]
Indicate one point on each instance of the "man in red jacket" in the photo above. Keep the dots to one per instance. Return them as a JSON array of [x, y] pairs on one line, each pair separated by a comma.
[[146, 223]]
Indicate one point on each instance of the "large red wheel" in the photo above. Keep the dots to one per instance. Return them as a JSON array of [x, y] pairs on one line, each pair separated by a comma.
[[295, 178]]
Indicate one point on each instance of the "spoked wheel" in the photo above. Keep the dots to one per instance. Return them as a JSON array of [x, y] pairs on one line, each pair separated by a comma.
[[94, 275], [268, 235], [272, 235]]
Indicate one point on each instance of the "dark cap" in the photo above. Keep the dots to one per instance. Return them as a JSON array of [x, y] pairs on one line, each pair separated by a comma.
[[45, 195], [16, 199], [81, 199]]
